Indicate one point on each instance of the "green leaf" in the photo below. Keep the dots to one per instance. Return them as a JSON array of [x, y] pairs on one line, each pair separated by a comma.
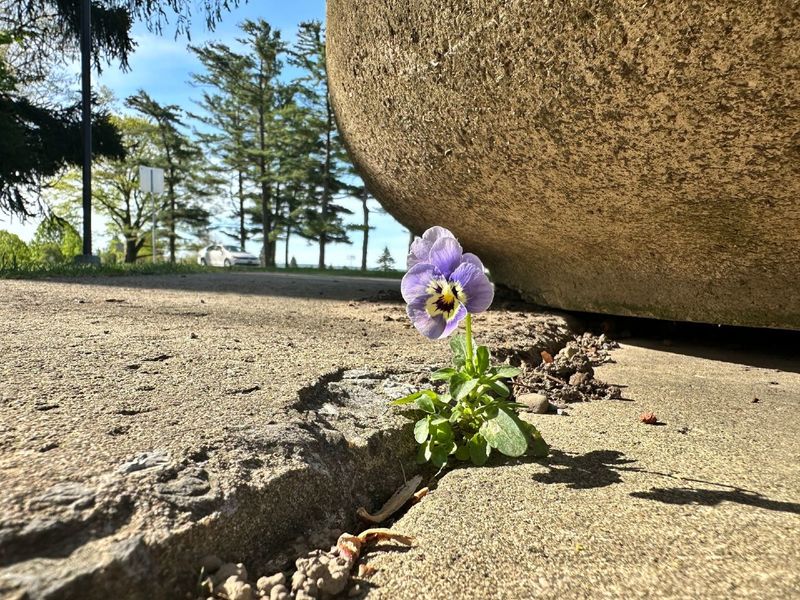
[[458, 344], [537, 447], [425, 403], [440, 453], [406, 399], [442, 432], [479, 450], [421, 429], [505, 432], [424, 453], [505, 372], [462, 388], [462, 452], [499, 388], [482, 361], [443, 374]]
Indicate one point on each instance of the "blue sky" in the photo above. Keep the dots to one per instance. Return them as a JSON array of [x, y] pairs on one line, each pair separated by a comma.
[[161, 65]]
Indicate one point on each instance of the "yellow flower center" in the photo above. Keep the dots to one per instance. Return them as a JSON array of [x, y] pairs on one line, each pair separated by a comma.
[[444, 298]]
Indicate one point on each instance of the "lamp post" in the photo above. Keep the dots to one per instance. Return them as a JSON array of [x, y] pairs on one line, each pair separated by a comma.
[[86, 92]]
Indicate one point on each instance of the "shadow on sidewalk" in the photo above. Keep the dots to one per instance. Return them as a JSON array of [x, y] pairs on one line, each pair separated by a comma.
[[595, 469], [706, 497]]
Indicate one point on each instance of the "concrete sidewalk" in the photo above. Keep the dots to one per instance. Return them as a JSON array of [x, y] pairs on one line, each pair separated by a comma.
[[704, 505], [146, 422]]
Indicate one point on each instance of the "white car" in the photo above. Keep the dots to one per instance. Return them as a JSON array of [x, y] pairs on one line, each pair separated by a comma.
[[217, 255]]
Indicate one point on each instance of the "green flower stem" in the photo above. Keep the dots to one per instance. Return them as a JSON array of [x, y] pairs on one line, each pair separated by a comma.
[[470, 367]]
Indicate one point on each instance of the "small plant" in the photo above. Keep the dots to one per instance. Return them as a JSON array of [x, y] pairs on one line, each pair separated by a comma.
[[475, 414]]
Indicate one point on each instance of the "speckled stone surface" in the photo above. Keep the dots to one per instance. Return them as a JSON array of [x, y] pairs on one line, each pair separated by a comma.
[[629, 157]]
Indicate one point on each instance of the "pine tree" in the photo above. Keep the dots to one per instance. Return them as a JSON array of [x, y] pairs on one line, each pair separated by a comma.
[[259, 91], [385, 260], [224, 112], [38, 137], [180, 159], [322, 218]]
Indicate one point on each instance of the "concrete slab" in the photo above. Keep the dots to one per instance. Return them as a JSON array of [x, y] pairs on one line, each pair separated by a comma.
[[706, 505], [146, 422]]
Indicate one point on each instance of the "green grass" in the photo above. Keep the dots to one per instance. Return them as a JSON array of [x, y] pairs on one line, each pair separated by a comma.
[[146, 268], [109, 270]]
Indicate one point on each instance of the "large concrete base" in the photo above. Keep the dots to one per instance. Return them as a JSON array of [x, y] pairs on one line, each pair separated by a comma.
[[627, 157]]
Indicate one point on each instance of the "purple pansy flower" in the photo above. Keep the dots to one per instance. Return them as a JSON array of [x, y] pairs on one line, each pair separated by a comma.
[[443, 284]]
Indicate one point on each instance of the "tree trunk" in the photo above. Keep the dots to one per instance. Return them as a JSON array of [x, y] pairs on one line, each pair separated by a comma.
[[273, 244], [266, 214], [266, 226], [242, 230], [131, 250], [172, 235], [326, 185], [286, 249], [365, 243]]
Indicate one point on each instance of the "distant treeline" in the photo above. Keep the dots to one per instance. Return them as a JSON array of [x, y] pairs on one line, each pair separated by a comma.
[[261, 150]]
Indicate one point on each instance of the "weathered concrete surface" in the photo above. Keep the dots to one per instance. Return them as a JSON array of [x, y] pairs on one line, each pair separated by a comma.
[[627, 157], [705, 506], [147, 422]]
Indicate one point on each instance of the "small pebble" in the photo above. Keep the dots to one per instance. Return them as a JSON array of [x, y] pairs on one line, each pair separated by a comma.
[[210, 563], [535, 403], [265, 584], [279, 592], [354, 591], [235, 589], [297, 580], [578, 378]]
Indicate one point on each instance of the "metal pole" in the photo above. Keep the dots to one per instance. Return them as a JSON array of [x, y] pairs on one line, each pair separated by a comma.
[[86, 91], [153, 198]]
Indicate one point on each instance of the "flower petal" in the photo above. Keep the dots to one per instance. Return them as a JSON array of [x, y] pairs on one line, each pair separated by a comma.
[[430, 327], [418, 252], [436, 233], [469, 257], [434, 328], [445, 255], [420, 248], [416, 280], [452, 324], [476, 285]]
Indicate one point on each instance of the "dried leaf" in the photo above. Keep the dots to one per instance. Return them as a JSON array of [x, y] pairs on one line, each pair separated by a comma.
[[393, 504], [547, 357], [648, 418]]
